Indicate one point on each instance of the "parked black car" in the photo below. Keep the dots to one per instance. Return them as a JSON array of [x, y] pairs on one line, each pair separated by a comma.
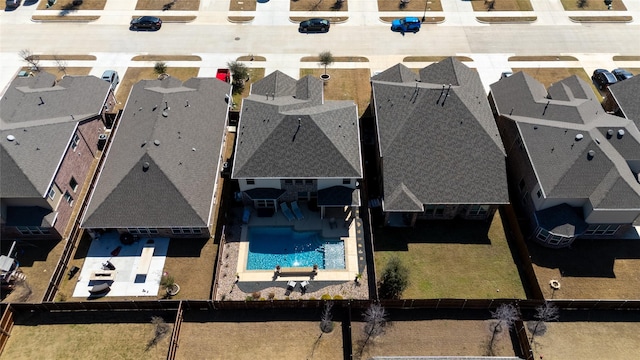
[[146, 22], [314, 26], [603, 78], [621, 74]]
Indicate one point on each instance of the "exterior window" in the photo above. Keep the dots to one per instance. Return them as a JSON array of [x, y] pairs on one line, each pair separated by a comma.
[[602, 229], [525, 198], [132, 231], [288, 182], [33, 230], [52, 193], [308, 182], [539, 193], [68, 198], [299, 182], [185, 230], [153, 231], [346, 181], [263, 203], [479, 210], [434, 210], [74, 141], [521, 185], [251, 182], [73, 184]]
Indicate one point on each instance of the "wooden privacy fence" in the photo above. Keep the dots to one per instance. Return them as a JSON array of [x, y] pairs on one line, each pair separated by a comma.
[[175, 334], [6, 324], [432, 304]]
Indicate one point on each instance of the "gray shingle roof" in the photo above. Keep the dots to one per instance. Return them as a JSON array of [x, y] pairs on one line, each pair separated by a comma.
[[177, 129], [550, 126], [626, 95], [296, 136], [42, 117], [440, 145]]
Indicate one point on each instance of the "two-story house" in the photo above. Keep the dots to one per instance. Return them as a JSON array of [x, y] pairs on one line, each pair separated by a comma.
[[292, 145], [49, 133], [573, 166]]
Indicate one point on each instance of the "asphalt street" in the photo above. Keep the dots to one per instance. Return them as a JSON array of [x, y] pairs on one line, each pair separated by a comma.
[[273, 35]]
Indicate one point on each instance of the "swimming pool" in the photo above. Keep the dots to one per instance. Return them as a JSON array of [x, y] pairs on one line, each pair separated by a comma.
[[271, 246]]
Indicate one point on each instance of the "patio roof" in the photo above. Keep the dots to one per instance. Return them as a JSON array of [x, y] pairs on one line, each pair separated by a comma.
[[339, 196]]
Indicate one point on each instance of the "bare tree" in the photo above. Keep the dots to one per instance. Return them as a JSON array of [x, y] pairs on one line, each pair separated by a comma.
[[62, 64], [160, 330], [326, 324], [544, 313], [376, 319], [28, 56], [505, 315]]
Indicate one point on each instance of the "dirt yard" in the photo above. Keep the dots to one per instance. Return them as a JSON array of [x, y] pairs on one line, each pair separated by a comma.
[[430, 338], [243, 340], [588, 340], [108, 335], [589, 269]]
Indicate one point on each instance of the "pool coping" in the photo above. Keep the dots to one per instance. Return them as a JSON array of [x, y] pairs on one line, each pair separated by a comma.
[[312, 222]]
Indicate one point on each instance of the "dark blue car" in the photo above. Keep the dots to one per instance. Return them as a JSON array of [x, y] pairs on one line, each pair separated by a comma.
[[603, 78], [621, 74]]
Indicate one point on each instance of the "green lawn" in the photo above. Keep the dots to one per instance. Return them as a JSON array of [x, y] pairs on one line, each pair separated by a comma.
[[452, 259]]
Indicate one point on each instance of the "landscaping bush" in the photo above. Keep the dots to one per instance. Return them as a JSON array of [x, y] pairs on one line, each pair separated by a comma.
[[394, 280], [325, 297]]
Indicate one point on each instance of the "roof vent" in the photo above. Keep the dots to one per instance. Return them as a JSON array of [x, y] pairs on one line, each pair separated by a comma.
[[620, 133], [609, 133], [579, 137], [591, 154], [156, 142], [11, 137], [145, 166]]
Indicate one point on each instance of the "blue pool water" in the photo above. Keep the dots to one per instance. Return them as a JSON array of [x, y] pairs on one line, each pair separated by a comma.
[[271, 246]]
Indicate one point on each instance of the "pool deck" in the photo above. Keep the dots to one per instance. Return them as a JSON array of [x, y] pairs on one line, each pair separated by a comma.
[[338, 223]]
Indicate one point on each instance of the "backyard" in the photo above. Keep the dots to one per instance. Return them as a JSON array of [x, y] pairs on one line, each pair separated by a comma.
[[435, 337], [345, 84], [274, 336], [82, 335], [452, 259]]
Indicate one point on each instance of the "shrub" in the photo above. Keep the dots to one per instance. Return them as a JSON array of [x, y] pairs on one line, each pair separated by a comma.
[[160, 67], [272, 295], [312, 298], [337, 297], [256, 295], [248, 298], [394, 280], [325, 297]]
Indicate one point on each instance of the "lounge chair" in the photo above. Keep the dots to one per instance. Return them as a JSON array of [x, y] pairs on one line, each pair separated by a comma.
[[290, 286], [246, 215], [296, 210], [304, 285], [286, 211]]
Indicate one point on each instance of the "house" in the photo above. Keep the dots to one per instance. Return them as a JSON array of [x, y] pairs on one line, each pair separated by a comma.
[[49, 140], [292, 145], [439, 153], [574, 167], [622, 99], [161, 171]]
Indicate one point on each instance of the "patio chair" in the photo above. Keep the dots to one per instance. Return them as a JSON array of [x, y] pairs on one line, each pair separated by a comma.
[[246, 215], [286, 211], [304, 285], [296, 210], [290, 286]]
